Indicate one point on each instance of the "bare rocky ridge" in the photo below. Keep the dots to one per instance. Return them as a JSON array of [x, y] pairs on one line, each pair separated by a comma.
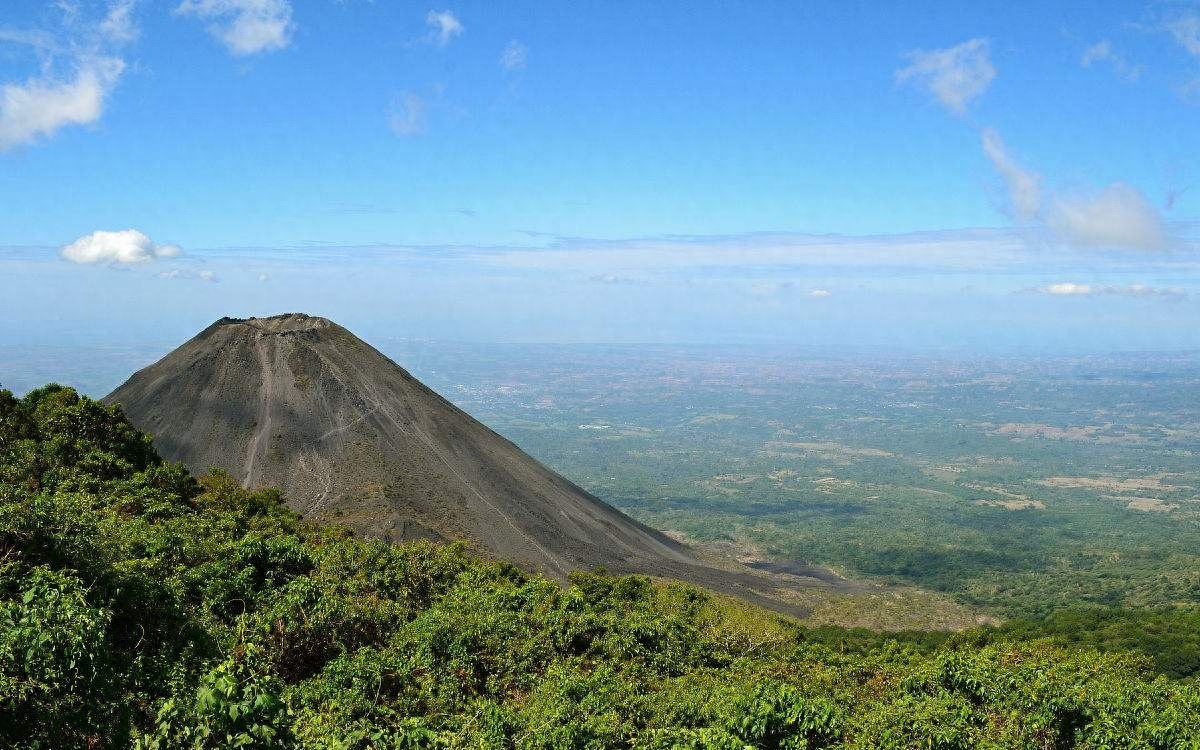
[[300, 403]]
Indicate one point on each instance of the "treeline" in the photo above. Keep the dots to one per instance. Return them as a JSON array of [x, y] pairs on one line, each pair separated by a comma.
[[141, 607], [1168, 637]]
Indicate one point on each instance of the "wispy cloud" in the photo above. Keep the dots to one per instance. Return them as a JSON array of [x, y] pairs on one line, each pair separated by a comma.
[[1103, 52], [177, 273], [1185, 29], [515, 56], [126, 247], [1115, 217], [118, 26], [406, 116], [245, 27], [80, 67], [444, 26], [751, 254], [361, 208], [43, 41], [1024, 186], [611, 278], [1019, 251], [1072, 289], [775, 253], [787, 287], [955, 76]]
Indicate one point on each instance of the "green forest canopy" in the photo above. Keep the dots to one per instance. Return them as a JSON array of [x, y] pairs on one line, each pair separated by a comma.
[[141, 607]]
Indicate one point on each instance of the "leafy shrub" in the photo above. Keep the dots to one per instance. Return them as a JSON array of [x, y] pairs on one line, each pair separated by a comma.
[[143, 608]]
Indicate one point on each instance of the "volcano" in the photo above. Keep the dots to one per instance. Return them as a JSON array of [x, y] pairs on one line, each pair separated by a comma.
[[300, 403]]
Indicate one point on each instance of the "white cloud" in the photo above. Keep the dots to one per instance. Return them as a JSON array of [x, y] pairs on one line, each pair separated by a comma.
[[245, 27], [1068, 289], [445, 26], [79, 70], [264, 277], [1116, 217], [1071, 289], [955, 76], [820, 293], [1024, 186], [208, 276], [514, 56], [407, 115], [1103, 52], [127, 247], [118, 26], [41, 106]]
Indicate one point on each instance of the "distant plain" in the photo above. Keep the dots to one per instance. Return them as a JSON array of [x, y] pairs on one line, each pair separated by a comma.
[[990, 488]]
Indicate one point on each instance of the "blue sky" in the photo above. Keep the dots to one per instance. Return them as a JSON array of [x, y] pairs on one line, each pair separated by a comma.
[[929, 173]]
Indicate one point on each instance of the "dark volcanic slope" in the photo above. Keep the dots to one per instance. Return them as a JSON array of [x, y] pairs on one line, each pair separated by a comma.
[[300, 403]]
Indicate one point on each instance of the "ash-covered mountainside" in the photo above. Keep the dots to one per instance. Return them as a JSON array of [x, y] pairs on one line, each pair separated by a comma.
[[300, 403]]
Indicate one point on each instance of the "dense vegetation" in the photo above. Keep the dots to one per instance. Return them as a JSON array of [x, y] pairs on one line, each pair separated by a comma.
[[143, 608]]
